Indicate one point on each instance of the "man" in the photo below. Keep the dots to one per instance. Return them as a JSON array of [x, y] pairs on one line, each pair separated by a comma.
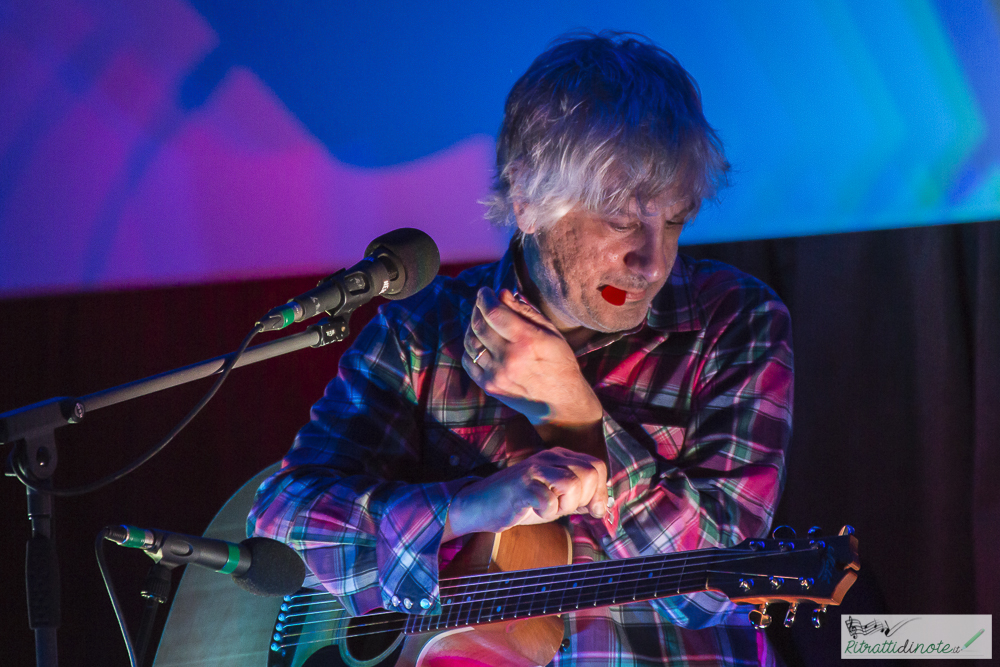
[[592, 376]]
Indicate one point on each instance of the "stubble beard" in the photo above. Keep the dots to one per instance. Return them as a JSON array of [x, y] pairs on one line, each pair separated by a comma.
[[584, 310]]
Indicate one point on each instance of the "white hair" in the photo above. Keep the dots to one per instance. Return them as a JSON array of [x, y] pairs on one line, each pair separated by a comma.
[[599, 121]]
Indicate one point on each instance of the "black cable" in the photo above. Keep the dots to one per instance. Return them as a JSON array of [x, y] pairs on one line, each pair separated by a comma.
[[115, 476], [103, 566]]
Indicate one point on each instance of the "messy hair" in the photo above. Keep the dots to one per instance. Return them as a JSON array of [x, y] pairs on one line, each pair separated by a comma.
[[599, 121]]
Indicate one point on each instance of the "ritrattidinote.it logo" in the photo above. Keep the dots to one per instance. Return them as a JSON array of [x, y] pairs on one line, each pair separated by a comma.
[[898, 636]]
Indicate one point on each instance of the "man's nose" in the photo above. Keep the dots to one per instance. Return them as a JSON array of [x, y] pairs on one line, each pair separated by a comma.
[[648, 257]]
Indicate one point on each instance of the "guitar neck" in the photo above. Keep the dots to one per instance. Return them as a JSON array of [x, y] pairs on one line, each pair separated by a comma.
[[500, 596]]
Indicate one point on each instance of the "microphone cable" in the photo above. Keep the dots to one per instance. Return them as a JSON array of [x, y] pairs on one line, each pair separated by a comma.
[[102, 564]]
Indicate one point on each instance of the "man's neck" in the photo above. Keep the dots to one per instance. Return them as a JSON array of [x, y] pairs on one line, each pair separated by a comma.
[[526, 255]]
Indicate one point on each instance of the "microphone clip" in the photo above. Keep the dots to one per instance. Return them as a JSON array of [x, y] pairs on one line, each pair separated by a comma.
[[331, 330]]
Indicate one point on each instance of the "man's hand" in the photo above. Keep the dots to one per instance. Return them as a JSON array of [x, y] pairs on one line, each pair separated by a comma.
[[541, 488], [518, 357]]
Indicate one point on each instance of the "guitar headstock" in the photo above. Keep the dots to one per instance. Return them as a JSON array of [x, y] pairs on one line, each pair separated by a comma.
[[817, 569]]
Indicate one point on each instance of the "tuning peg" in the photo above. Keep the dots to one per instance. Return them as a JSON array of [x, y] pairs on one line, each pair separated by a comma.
[[818, 615], [783, 533], [790, 615], [759, 617], [847, 530], [814, 531]]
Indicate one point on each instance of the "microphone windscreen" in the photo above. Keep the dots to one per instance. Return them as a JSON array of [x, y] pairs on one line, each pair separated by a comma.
[[275, 568], [417, 253]]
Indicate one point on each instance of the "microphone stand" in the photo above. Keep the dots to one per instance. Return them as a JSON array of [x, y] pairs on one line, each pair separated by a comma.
[[31, 429]]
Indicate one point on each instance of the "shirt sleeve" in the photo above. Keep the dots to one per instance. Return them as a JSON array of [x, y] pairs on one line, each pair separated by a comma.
[[371, 542], [725, 483]]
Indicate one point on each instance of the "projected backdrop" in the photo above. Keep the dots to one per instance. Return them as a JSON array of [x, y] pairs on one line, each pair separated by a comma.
[[164, 142]]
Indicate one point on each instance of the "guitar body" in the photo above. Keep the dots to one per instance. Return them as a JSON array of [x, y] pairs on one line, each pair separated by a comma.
[[212, 622], [209, 611]]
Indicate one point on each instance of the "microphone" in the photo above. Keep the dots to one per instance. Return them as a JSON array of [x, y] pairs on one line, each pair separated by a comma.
[[259, 565], [396, 265]]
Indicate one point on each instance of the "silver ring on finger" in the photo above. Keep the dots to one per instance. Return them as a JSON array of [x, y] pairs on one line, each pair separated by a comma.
[[475, 359]]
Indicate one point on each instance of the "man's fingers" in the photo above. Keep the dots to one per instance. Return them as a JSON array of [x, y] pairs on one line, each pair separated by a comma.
[[598, 506], [507, 322], [565, 485], [473, 369], [541, 498], [481, 334], [590, 473], [526, 310], [484, 333], [577, 487]]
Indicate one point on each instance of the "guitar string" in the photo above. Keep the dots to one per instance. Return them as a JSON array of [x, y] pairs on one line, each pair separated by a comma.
[[503, 579], [331, 635], [397, 619], [498, 578], [399, 623], [694, 557], [293, 618], [688, 556], [339, 634]]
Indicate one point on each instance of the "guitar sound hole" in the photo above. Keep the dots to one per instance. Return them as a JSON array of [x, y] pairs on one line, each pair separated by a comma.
[[371, 635]]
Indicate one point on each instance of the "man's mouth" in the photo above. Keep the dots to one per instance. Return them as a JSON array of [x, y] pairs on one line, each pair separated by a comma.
[[618, 297], [613, 295]]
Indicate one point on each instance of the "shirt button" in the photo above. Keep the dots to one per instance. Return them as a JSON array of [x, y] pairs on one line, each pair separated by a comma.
[[453, 459], [425, 604], [395, 600], [408, 603]]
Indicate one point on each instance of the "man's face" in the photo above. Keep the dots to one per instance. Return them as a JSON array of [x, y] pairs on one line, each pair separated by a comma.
[[574, 259]]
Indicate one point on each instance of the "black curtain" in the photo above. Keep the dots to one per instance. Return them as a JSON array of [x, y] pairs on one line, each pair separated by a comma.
[[897, 404], [897, 412]]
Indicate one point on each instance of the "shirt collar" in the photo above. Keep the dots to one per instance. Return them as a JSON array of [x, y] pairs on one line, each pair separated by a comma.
[[506, 276], [675, 307]]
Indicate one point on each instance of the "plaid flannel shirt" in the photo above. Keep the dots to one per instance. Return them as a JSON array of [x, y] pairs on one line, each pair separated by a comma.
[[697, 416]]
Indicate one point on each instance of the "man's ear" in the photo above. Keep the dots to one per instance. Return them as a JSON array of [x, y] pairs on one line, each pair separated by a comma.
[[525, 221]]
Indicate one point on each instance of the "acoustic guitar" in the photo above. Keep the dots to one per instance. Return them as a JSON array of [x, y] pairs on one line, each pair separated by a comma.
[[501, 600]]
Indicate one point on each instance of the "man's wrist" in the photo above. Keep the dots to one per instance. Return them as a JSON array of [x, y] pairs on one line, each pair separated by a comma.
[[454, 526], [583, 412]]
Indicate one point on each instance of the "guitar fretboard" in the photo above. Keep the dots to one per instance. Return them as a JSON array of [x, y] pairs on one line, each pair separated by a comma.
[[509, 595]]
